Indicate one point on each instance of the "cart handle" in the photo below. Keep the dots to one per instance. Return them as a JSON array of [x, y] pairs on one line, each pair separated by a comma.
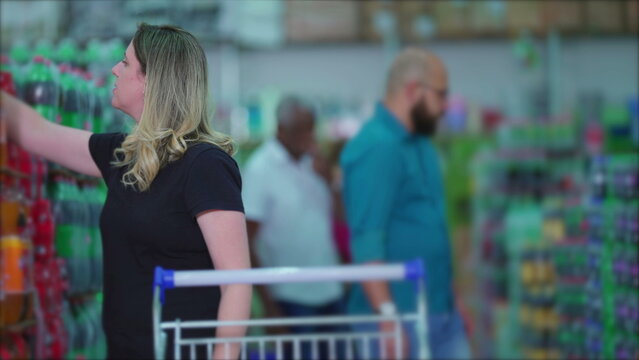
[[167, 279]]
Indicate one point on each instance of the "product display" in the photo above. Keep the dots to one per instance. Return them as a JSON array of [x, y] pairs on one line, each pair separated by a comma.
[[50, 246], [21, 178], [612, 315], [557, 235]]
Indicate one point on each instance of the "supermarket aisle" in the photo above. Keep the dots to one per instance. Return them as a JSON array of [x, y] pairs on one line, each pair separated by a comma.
[[538, 151]]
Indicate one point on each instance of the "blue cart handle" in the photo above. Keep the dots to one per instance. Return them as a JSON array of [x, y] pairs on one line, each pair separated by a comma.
[[166, 279]]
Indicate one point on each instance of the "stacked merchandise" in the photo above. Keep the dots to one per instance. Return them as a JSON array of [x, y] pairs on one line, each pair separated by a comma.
[[611, 317], [20, 181], [68, 255], [556, 228], [77, 205], [598, 270], [522, 186], [568, 232], [598, 286]]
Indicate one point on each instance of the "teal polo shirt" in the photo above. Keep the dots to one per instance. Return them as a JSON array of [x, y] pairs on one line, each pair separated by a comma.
[[394, 199]]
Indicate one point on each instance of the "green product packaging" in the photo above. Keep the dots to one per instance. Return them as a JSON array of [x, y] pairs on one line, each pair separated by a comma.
[[64, 235], [41, 88], [69, 107]]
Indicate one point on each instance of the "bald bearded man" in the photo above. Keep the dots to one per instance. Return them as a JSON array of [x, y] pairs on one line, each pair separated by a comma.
[[394, 199]]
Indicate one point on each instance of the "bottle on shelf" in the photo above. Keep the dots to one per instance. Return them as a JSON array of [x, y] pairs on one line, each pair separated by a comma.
[[41, 88], [69, 99], [16, 252]]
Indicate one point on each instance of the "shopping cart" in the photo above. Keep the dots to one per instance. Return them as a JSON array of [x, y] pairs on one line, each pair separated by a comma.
[[271, 346]]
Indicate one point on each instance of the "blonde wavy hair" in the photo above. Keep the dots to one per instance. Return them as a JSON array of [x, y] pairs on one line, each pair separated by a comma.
[[175, 111]]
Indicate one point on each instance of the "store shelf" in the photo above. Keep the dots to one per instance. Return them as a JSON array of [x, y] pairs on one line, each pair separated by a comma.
[[58, 171], [82, 297], [19, 327], [434, 41], [13, 173]]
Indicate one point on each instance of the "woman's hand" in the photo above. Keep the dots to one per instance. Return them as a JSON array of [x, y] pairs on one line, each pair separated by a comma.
[[66, 146]]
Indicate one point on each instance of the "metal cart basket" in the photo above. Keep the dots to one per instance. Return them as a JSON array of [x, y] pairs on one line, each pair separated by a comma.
[[353, 344]]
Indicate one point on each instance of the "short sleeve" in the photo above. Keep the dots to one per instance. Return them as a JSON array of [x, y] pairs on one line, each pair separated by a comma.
[[213, 182], [254, 192], [101, 147]]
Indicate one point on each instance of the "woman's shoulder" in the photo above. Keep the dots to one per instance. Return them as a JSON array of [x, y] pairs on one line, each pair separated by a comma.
[[208, 161], [114, 139], [105, 143], [207, 152]]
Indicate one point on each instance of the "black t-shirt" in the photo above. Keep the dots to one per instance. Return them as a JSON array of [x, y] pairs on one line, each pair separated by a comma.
[[158, 227]]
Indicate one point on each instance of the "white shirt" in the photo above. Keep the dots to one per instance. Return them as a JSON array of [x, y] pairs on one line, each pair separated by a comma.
[[293, 206]]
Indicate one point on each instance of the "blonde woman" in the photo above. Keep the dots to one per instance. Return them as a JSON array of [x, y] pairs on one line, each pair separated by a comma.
[[173, 189]]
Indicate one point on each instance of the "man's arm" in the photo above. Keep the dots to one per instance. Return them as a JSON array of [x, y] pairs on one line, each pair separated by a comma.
[[253, 228], [371, 185], [271, 308]]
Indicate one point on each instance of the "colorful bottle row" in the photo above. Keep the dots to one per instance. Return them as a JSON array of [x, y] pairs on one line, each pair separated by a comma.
[[83, 323], [66, 94], [62, 94], [613, 252], [76, 211], [51, 242], [52, 286], [556, 135]]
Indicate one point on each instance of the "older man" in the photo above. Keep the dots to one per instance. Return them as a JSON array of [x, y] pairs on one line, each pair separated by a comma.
[[288, 210]]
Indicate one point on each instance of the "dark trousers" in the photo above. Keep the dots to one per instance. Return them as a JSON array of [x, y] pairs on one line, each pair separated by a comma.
[[334, 308]]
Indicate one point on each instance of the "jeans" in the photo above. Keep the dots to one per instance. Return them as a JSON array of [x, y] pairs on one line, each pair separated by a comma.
[[446, 337]]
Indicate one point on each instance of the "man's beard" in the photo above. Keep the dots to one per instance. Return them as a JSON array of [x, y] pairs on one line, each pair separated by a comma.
[[423, 122]]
